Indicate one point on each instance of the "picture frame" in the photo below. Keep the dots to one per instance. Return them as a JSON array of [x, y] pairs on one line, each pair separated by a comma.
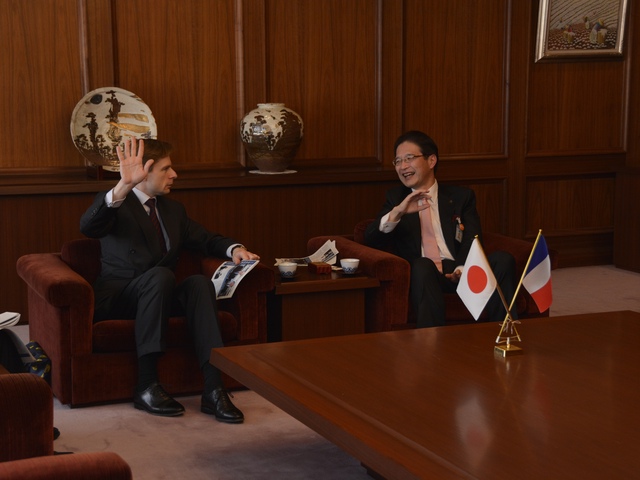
[[580, 28]]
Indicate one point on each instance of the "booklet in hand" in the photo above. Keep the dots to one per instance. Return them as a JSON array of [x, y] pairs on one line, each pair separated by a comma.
[[229, 275]]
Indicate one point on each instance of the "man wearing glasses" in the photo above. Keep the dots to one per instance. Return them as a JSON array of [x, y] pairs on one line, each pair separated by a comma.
[[432, 226]]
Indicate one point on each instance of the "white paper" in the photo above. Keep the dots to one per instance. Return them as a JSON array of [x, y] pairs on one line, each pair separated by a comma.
[[327, 253], [229, 275], [9, 319]]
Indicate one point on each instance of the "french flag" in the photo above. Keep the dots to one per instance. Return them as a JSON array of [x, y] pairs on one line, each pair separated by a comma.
[[537, 279]]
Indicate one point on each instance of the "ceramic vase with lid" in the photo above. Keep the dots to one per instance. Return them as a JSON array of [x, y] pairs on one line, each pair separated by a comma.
[[271, 134]]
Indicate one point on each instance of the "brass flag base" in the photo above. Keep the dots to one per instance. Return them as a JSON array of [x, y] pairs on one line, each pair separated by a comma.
[[507, 350]]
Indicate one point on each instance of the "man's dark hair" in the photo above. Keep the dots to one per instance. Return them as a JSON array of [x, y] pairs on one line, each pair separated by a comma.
[[424, 142], [155, 150]]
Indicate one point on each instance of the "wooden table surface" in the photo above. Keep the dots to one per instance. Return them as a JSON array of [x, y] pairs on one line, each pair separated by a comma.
[[437, 403], [305, 281]]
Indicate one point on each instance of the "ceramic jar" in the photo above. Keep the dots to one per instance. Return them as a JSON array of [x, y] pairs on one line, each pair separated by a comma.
[[271, 135]]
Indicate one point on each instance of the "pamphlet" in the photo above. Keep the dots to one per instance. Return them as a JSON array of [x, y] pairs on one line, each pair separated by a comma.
[[327, 253], [9, 319], [229, 275]]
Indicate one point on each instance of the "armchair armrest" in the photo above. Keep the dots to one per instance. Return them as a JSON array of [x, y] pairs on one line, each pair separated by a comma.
[[53, 280], [26, 417], [249, 302], [60, 300], [94, 465], [386, 306]]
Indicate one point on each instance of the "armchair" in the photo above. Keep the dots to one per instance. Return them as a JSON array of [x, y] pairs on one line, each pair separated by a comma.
[[26, 436], [387, 307], [96, 362]]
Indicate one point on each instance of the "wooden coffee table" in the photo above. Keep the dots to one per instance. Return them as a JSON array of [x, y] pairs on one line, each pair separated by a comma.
[[437, 403], [319, 305]]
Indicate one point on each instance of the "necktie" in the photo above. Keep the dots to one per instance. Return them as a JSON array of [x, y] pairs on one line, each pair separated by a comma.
[[151, 203], [429, 243]]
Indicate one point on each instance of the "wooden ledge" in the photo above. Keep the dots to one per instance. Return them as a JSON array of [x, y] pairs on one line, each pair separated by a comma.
[[76, 180]]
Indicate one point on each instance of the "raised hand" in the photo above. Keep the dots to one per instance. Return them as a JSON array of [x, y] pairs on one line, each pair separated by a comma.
[[132, 171], [414, 202]]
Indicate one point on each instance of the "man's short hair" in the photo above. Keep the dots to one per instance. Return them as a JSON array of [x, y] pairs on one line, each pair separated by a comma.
[[155, 150], [424, 142]]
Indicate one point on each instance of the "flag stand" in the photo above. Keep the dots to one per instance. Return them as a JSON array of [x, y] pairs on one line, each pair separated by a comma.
[[510, 333], [508, 325], [508, 349]]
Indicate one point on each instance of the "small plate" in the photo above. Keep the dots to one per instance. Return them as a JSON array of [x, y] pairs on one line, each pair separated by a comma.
[[104, 118]]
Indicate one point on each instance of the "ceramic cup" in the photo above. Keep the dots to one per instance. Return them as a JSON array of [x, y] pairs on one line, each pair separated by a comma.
[[349, 265], [287, 269]]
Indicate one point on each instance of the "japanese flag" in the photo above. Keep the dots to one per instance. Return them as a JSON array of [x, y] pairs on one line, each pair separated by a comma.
[[477, 282]]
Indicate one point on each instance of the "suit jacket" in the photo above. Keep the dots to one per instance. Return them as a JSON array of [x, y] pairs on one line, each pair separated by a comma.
[[454, 203], [129, 242]]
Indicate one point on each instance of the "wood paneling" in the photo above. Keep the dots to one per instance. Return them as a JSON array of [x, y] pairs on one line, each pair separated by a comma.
[[627, 211], [577, 107], [179, 57], [321, 62], [455, 74], [541, 143], [570, 205], [39, 82]]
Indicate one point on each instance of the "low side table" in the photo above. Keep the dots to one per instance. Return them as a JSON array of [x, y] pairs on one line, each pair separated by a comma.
[[319, 305]]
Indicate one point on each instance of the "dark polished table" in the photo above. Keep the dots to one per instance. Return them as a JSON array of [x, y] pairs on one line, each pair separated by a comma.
[[438, 403], [319, 305]]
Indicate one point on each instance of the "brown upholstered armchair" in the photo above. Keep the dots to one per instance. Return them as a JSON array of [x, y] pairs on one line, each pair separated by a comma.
[[96, 362], [387, 307], [26, 436]]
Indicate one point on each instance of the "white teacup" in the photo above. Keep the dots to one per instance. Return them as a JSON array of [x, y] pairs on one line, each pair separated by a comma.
[[349, 265], [287, 269]]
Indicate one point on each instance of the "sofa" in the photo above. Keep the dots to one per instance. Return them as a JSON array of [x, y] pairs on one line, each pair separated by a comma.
[[387, 307], [96, 362], [26, 436]]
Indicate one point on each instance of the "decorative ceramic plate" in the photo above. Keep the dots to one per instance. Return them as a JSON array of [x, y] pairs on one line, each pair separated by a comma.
[[104, 118]]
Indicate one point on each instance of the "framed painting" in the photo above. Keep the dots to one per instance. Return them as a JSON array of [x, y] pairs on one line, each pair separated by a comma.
[[580, 28]]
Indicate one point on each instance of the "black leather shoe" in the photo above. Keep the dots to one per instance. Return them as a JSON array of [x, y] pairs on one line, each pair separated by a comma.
[[157, 402], [219, 404]]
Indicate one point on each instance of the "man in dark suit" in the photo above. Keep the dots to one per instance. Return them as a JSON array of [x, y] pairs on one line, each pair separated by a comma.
[[141, 233], [432, 226]]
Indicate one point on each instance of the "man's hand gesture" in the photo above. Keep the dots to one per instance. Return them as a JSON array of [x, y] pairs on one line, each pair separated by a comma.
[[132, 171], [414, 202]]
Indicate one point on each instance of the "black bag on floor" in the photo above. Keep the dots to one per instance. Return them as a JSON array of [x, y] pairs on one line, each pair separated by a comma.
[[42, 364]]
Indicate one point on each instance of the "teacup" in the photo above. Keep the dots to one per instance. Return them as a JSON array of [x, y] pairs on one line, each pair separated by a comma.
[[287, 269], [349, 265]]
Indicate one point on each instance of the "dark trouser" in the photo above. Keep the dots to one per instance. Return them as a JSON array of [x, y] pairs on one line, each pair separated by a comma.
[[152, 298], [428, 286]]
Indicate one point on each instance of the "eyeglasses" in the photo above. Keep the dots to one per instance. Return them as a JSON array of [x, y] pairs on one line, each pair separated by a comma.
[[407, 159]]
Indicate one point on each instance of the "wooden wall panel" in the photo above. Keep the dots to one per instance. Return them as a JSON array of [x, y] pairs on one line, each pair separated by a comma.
[[571, 205], [627, 211], [39, 82], [577, 107], [321, 62], [180, 58], [455, 74]]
